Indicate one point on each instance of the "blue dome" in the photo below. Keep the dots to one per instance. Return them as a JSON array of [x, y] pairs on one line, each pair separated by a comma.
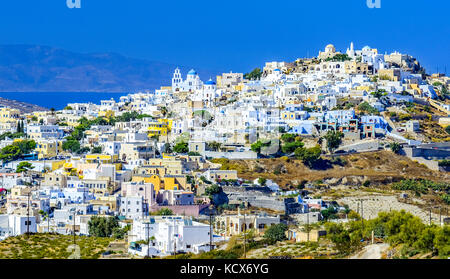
[[192, 72], [210, 82], [277, 70]]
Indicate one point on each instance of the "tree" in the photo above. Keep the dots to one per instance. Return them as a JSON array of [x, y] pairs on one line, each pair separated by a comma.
[[25, 146], [257, 146], [71, 145], [329, 213], [102, 226], [167, 148], [215, 146], [164, 111], [96, 150], [395, 147], [254, 75], [341, 238], [213, 190], [276, 233], [18, 127], [308, 155], [366, 107], [23, 167], [119, 233], [181, 147], [379, 93], [290, 143], [10, 152], [334, 139], [17, 149], [339, 58], [262, 181], [164, 212]]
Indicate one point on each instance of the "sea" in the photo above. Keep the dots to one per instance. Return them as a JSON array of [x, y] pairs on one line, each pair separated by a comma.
[[59, 100]]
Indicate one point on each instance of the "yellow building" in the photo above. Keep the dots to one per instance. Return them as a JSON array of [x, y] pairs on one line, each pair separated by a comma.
[[353, 67], [106, 113], [48, 148], [392, 74], [159, 128], [101, 158], [154, 179], [168, 182], [219, 81], [9, 115], [69, 119], [176, 182], [363, 88]]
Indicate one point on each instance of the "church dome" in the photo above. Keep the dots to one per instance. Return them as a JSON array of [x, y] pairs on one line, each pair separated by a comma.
[[210, 82], [192, 72], [330, 48]]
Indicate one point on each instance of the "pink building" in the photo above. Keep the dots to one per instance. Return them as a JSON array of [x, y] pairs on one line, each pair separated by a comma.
[[139, 189]]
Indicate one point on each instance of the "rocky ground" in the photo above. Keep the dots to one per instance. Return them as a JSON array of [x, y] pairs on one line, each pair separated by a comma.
[[23, 107]]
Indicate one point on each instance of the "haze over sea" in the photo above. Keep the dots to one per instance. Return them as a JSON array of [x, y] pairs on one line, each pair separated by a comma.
[[59, 100]]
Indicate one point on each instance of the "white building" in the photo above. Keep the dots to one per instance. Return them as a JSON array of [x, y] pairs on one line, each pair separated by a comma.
[[14, 225], [133, 207], [169, 233]]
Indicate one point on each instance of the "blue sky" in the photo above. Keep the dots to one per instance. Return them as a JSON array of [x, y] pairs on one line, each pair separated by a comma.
[[229, 35]]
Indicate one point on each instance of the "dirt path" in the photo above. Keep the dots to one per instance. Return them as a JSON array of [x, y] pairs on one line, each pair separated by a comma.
[[371, 252]]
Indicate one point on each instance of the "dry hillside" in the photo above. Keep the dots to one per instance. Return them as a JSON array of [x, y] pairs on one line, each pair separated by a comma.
[[380, 168]]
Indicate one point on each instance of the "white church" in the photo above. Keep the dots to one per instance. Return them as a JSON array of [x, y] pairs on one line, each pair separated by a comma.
[[205, 92], [191, 83]]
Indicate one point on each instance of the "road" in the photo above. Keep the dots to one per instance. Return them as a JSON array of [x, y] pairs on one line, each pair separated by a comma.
[[371, 252]]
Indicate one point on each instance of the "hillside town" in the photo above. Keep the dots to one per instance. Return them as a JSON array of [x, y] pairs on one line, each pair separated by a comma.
[[179, 170]]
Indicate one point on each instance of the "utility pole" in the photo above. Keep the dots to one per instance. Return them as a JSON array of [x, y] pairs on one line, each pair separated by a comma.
[[362, 210], [245, 230], [175, 247], [175, 240], [430, 216], [210, 230], [307, 226], [74, 240], [28, 215], [148, 239], [357, 210]]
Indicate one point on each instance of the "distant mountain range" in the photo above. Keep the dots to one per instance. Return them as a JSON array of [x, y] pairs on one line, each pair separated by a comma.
[[32, 68]]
